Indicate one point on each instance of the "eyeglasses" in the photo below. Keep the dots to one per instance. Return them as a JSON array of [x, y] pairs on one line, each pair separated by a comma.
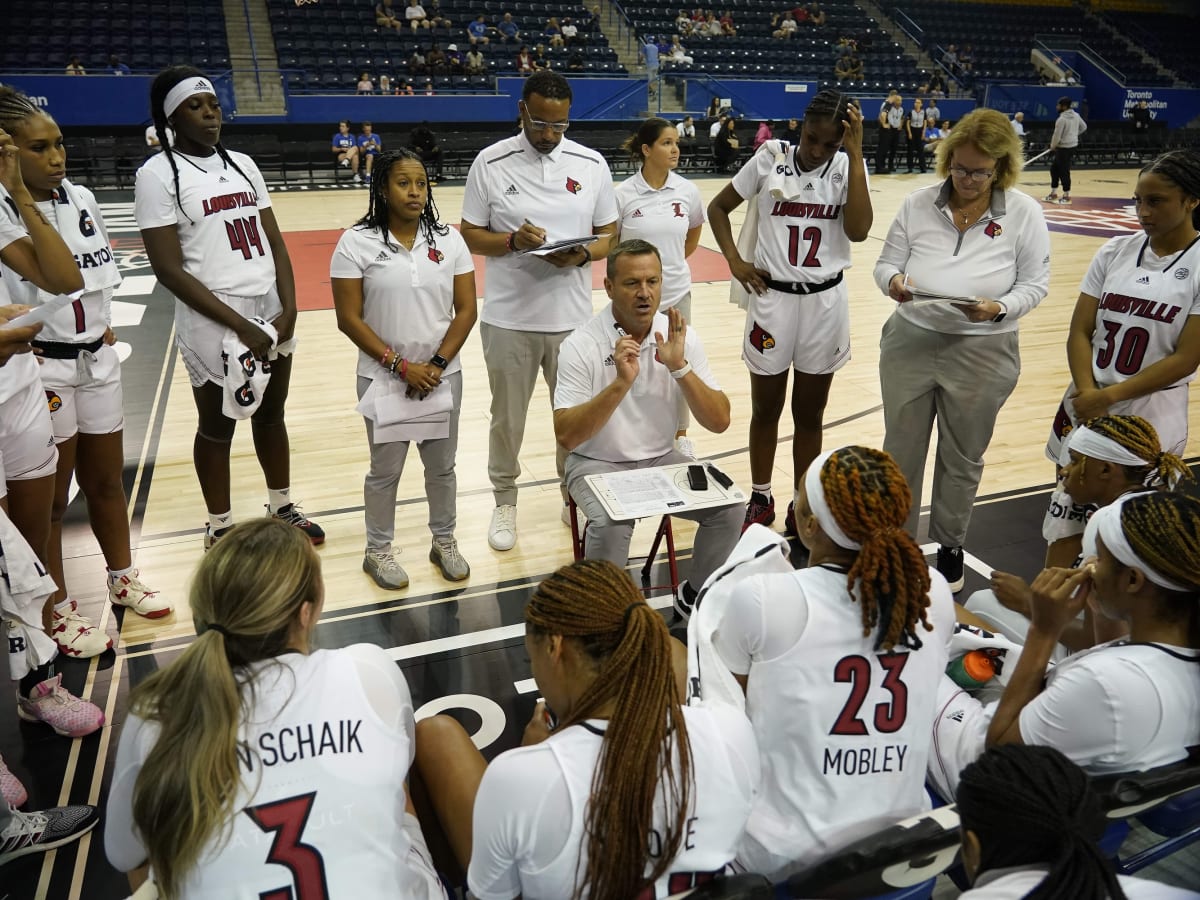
[[539, 125], [974, 174]]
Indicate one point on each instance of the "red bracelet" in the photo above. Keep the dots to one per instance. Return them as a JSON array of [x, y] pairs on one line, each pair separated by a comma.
[[386, 353], [511, 242], [404, 370]]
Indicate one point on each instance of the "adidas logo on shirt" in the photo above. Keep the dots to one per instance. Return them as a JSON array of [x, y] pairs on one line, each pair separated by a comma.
[[383, 257], [222, 179], [512, 191], [1145, 279], [956, 716], [637, 214], [809, 187]]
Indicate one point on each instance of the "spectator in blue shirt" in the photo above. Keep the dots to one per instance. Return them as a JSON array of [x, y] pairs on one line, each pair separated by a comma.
[[509, 30], [370, 145], [477, 30], [345, 148], [116, 67]]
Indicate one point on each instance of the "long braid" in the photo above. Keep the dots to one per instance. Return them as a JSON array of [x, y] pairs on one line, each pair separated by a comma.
[[1163, 529], [595, 603], [1032, 806], [870, 500], [1139, 437], [377, 203], [830, 106], [159, 88], [1182, 169], [15, 109]]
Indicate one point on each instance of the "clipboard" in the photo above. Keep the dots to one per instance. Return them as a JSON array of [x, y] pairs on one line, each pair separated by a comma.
[[657, 490], [555, 246]]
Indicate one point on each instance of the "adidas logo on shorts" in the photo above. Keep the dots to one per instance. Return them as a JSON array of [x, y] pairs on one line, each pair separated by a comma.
[[512, 191], [383, 257]]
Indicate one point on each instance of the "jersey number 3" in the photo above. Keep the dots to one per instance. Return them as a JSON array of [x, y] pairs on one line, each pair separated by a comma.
[[287, 818], [889, 717], [812, 237]]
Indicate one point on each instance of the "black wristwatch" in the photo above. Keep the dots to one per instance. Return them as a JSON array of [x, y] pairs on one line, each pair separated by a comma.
[[999, 317], [440, 361]]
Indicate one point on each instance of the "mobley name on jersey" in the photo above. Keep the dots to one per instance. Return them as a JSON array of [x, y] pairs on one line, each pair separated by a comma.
[[865, 760]]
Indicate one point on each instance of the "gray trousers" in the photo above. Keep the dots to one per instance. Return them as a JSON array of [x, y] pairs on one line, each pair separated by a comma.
[[387, 465], [720, 526], [959, 380], [513, 359]]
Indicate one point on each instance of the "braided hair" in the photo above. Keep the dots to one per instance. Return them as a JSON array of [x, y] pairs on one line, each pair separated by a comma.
[[15, 109], [1031, 806], [159, 88], [1181, 168], [377, 206], [1139, 437], [829, 106], [870, 500], [1163, 529], [594, 603]]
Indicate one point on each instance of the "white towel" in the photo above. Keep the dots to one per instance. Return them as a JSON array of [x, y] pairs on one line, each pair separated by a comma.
[[1004, 652], [778, 181], [747, 243], [24, 587], [760, 551], [246, 377]]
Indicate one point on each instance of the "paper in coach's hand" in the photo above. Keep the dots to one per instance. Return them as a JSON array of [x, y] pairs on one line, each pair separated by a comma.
[[555, 246]]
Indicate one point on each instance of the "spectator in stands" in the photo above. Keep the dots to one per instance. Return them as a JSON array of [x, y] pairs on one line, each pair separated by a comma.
[[950, 58], [816, 15], [385, 16], [416, 62], [116, 67], [857, 71], [891, 126], [683, 23], [784, 25], [570, 32], [687, 137], [152, 141], [541, 62], [844, 46], [475, 64], [75, 67], [791, 134], [428, 89], [1018, 124], [477, 30], [714, 109], [370, 145], [712, 25], [435, 17], [404, 87], [552, 32], [590, 24], [914, 131], [937, 86], [575, 62], [932, 113], [415, 15], [365, 84], [727, 27], [1141, 116], [454, 59], [508, 29], [345, 148], [1068, 128], [649, 55], [524, 61], [843, 67], [425, 145], [385, 83], [436, 61], [762, 135], [679, 54], [800, 14], [726, 145], [934, 135]]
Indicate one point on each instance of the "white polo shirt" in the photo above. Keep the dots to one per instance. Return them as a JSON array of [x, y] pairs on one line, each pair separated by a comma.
[[664, 218], [643, 424], [569, 193], [408, 295], [1005, 256]]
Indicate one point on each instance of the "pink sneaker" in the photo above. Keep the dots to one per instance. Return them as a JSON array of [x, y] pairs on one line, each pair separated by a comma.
[[51, 703], [11, 788]]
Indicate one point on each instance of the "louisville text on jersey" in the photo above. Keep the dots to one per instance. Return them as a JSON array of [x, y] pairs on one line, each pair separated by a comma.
[[1140, 307], [222, 202], [806, 210]]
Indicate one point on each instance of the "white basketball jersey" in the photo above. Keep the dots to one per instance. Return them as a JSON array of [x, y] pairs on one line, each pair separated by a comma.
[[843, 729], [801, 239], [220, 230], [321, 809], [21, 370], [1144, 303]]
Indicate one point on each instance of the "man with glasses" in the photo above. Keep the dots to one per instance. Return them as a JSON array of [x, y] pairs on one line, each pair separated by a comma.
[[522, 192]]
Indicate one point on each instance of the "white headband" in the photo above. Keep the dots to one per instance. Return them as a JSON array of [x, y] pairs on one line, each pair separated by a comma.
[[183, 90], [1105, 523], [1088, 443], [820, 509]]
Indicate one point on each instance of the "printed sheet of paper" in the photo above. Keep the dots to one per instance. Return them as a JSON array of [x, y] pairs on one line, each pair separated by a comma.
[[643, 492], [554, 246]]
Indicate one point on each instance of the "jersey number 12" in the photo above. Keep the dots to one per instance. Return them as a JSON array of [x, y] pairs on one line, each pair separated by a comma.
[[812, 237]]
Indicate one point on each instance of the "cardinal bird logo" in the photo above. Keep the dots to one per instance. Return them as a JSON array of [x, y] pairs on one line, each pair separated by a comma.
[[760, 339], [574, 186], [53, 401], [993, 230], [436, 255]]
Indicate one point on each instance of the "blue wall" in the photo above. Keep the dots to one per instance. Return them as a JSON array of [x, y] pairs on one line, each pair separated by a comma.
[[1038, 103], [99, 99]]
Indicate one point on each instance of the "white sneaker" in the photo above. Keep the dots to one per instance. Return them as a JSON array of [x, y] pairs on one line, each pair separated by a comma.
[[357, 178], [580, 518], [129, 591], [502, 533], [75, 635], [1051, 197], [684, 445], [345, 163]]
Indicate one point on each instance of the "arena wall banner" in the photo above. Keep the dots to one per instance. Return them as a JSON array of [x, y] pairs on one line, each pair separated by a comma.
[[1037, 102], [100, 99]]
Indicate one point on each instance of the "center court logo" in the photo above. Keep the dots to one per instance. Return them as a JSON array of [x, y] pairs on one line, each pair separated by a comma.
[[1102, 217]]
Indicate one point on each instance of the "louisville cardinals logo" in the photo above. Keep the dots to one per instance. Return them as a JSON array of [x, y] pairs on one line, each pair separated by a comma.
[[1062, 423], [678, 207], [53, 401], [761, 340], [993, 230], [436, 255], [574, 186]]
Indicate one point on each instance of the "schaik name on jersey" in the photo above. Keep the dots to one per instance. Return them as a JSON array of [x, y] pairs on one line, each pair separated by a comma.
[[305, 741]]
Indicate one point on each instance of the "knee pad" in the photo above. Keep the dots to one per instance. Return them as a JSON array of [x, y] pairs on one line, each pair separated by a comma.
[[215, 439]]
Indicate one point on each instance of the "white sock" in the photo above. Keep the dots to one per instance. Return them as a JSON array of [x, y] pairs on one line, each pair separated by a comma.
[[118, 574], [63, 606], [764, 489], [220, 521], [277, 500]]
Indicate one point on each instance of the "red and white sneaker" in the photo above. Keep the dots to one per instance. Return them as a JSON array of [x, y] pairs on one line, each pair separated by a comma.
[[77, 636], [11, 789], [129, 591], [53, 705], [759, 511]]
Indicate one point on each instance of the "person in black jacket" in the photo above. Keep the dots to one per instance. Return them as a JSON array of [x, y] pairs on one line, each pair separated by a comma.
[[426, 146]]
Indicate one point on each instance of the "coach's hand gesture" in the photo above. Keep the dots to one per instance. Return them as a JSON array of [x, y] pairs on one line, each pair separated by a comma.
[[671, 349], [626, 355]]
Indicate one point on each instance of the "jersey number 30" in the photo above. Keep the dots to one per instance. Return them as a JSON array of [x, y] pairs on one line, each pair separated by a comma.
[[287, 818], [889, 717]]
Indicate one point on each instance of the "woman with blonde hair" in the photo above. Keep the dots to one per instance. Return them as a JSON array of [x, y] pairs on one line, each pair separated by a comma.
[[964, 260], [628, 793], [240, 756]]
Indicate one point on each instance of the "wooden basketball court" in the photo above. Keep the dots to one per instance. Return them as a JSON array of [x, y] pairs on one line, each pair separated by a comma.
[[459, 645]]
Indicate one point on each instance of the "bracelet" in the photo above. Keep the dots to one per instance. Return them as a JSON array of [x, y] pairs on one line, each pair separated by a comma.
[[404, 370], [395, 362], [511, 242], [681, 372], [587, 258], [384, 362]]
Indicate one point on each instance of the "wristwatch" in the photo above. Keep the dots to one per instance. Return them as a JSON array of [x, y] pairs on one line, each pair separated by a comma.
[[999, 317], [440, 361]]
